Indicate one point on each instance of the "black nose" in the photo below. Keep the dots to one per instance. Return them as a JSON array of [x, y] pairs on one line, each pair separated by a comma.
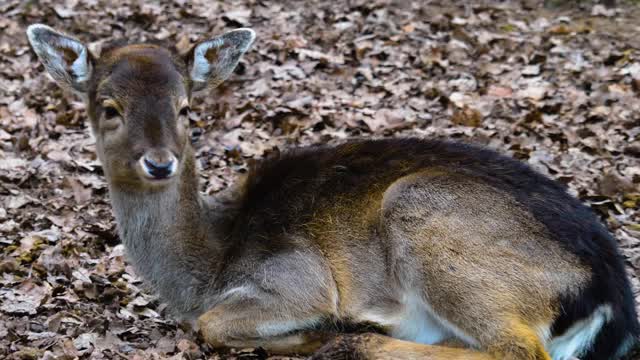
[[158, 170]]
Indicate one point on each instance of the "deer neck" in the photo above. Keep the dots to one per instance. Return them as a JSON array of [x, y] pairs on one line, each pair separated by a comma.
[[169, 237]]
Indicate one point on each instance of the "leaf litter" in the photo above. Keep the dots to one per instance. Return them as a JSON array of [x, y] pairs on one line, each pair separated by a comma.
[[557, 88]]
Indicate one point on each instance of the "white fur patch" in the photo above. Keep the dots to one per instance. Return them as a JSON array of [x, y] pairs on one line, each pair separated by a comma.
[[418, 322], [201, 66], [277, 328], [579, 337], [80, 67], [239, 291]]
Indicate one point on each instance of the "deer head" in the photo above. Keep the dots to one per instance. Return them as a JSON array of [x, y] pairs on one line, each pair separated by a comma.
[[138, 97]]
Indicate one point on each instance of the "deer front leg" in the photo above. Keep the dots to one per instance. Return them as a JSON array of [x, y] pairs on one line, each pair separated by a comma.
[[252, 323], [277, 306]]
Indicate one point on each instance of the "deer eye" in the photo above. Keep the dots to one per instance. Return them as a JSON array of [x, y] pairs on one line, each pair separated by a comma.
[[110, 112], [184, 111]]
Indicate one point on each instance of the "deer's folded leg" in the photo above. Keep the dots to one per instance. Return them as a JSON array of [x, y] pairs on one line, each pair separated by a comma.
[[279, 313], [252, 324], [380, 347]]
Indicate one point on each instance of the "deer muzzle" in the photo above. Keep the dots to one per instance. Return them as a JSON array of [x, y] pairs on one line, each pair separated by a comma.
[[158, 164]]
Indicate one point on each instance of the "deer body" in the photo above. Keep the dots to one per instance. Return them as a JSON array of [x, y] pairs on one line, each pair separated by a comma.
[[453, 251]]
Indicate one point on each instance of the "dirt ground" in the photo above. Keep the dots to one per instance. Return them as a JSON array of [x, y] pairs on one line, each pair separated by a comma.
[[557, 88]]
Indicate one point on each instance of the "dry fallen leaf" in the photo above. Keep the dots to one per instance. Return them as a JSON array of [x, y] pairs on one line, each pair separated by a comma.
[[467, 116]]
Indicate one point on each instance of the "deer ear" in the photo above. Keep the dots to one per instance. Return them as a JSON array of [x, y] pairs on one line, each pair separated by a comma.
[[65, 58], [213, 61]]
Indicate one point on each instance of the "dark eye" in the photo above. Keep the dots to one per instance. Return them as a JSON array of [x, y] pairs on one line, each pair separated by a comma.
[[110, 112], [184, 111]]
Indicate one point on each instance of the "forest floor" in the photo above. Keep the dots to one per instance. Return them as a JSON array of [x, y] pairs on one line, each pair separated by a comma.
[[557, 88]]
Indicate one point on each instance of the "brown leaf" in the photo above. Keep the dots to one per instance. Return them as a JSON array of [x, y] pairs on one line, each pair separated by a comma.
[[26, 299], [189, 348], [613, 183], [81, 194], [499, 91], [467, 116]]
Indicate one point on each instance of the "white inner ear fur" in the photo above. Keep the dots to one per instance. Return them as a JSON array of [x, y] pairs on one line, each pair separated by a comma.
[[232, 47], [201, 66], [81, 67], [49, 52]]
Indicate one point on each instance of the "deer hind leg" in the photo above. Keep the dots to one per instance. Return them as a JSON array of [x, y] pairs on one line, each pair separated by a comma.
[[517, 343], [478, 262], [380, 347]]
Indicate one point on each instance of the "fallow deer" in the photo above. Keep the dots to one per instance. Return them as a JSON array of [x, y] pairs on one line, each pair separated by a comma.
[[450, 251]]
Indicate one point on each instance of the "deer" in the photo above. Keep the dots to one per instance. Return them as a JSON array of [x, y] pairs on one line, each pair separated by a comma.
[[436, 249]]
